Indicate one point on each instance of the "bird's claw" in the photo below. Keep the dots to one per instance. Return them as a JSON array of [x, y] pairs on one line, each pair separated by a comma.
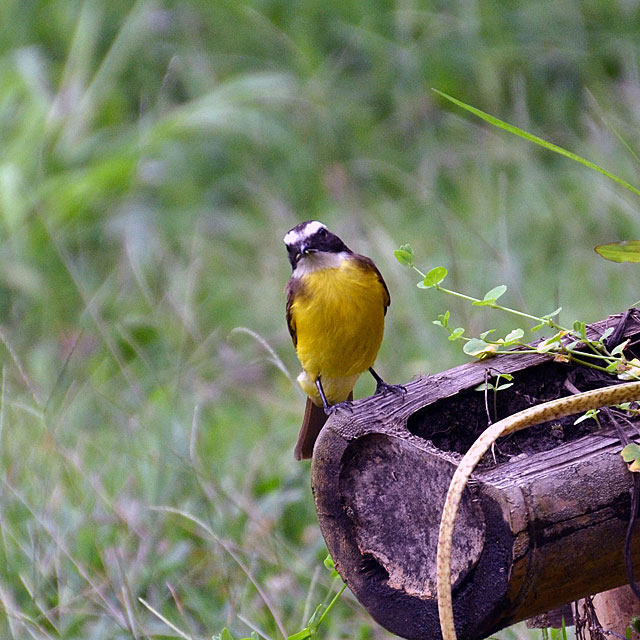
[[383, 387], [339, 406]]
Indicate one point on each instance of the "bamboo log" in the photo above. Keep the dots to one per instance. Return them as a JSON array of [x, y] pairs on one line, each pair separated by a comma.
[[539, 529]]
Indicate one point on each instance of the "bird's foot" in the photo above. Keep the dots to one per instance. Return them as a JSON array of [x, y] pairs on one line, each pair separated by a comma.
[[346, 405], [383, 387]]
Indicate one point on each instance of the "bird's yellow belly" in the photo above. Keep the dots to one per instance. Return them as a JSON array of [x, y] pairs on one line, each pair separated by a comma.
[[339, 321]]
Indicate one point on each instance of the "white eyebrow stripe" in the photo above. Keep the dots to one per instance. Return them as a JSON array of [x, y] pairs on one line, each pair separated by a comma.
[[296, 235], [292, 237]]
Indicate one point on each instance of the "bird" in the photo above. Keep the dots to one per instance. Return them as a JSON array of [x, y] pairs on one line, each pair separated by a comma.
[[336, 305]]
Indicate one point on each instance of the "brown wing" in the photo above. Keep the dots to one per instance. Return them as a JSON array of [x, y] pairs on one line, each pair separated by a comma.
[[370, 264], [293, 287]]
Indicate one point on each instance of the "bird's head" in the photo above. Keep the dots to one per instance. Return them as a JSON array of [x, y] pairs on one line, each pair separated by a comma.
[[312, 241]]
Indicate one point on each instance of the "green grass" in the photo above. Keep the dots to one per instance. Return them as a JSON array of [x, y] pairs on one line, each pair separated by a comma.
[[152, 157]]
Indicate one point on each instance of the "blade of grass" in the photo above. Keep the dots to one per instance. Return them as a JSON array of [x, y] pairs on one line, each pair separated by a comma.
[[44, 611], [10, 612], [34, 392], [99, 589], [261, 592], [274, 357], [2, 402], [169, 624], [253, 627], [611, 127], [496, 122], [307, 605]]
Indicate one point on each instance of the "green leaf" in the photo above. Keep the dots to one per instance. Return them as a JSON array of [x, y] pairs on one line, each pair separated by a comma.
[[539, 141], [433, 277], [619, 348], [475, 347], [443, 319], [580, 328], [225, 634], [625, 251], [514, 336], [456, 333], [484, 334], [301, 635], [404, 255], [489, 385], [591, 413], [606, 333], [631, 452], [314, 620], [491, 296], [631, 455], [329, 564], [612, 367], [553, 313], [550, 343], [539, 326], [406, 247], [496, 292]]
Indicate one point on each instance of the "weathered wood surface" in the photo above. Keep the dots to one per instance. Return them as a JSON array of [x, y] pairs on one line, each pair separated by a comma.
[[535, 531]]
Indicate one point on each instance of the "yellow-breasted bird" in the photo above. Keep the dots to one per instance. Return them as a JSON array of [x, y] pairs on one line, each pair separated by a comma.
[[336, 303]]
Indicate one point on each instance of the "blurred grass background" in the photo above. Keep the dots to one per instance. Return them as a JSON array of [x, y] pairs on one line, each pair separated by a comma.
[[152, 156]]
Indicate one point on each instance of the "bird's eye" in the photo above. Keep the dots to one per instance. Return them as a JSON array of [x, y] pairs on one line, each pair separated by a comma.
[[322, 232]]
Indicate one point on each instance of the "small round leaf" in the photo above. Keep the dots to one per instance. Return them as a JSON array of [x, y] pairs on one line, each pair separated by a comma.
[[404, 255], [475, 347], [434, 277], [495, 293]]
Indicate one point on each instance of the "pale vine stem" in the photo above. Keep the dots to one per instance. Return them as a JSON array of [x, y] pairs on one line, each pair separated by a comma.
[[558, 408], [547, 321]]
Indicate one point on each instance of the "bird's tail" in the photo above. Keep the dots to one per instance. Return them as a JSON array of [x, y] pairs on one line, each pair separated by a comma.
[[312, 423]]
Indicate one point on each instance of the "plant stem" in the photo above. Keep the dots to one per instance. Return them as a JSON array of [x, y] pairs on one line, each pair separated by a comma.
[[330, 605], [587, 364], [548, 321], [591, 355], [589, 344], [498, 306]]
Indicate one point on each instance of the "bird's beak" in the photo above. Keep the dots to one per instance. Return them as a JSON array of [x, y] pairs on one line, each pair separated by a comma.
[[303, 250]]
